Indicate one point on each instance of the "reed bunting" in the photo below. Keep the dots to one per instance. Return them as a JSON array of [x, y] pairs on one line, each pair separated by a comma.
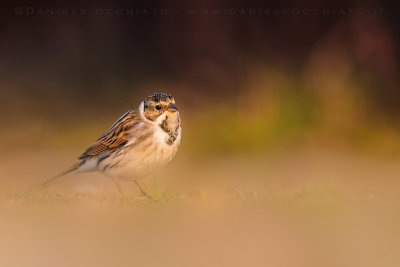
[[141, 141]]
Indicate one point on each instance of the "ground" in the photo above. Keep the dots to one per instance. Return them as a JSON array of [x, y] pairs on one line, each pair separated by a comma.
[[306, 206]]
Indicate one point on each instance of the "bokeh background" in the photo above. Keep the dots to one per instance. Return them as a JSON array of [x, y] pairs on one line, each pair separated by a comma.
[[291, 132]]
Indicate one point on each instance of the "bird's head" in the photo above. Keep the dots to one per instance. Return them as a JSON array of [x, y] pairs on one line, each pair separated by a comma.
[[159, 104]]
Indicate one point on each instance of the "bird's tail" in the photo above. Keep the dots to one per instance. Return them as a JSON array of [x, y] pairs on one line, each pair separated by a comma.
[[73, 169]]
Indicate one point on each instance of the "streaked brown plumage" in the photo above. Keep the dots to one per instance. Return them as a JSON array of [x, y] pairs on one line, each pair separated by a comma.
[[116, 137]]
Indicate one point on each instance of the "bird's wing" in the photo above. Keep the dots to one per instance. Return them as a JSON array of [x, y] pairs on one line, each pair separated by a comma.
[[117, 136]]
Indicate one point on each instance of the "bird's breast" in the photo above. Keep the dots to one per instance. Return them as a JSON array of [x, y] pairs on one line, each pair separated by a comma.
[[145, 155]]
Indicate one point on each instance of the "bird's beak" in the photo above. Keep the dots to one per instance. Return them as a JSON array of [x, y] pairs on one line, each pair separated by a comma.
[[172, 107]]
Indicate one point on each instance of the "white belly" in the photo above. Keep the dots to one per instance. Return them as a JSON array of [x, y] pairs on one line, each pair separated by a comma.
[[142, 158]]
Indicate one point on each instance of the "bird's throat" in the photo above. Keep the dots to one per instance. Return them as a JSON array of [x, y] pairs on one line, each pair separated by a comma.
[[171, 127]]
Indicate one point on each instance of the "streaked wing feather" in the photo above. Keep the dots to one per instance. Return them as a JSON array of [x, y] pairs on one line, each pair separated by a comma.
[[117, 136]]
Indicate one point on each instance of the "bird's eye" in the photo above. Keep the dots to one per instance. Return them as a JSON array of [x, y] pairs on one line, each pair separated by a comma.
[[158, 107]]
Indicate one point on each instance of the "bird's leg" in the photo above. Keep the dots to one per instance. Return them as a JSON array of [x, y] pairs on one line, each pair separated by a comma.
[[116, 182], [144, 193]]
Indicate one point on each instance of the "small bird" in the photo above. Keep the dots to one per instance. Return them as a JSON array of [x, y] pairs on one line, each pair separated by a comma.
[[140, 141]]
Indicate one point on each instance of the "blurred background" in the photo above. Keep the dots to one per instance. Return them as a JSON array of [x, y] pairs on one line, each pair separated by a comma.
[[290, 128]]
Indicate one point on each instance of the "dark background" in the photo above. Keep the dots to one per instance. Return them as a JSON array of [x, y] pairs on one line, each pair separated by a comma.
[[312, 63]]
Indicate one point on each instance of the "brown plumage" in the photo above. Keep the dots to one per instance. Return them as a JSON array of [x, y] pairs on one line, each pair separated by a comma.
[[117, 136]]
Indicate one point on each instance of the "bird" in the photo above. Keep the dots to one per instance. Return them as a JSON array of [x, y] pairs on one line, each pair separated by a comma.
[[142, 140]]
